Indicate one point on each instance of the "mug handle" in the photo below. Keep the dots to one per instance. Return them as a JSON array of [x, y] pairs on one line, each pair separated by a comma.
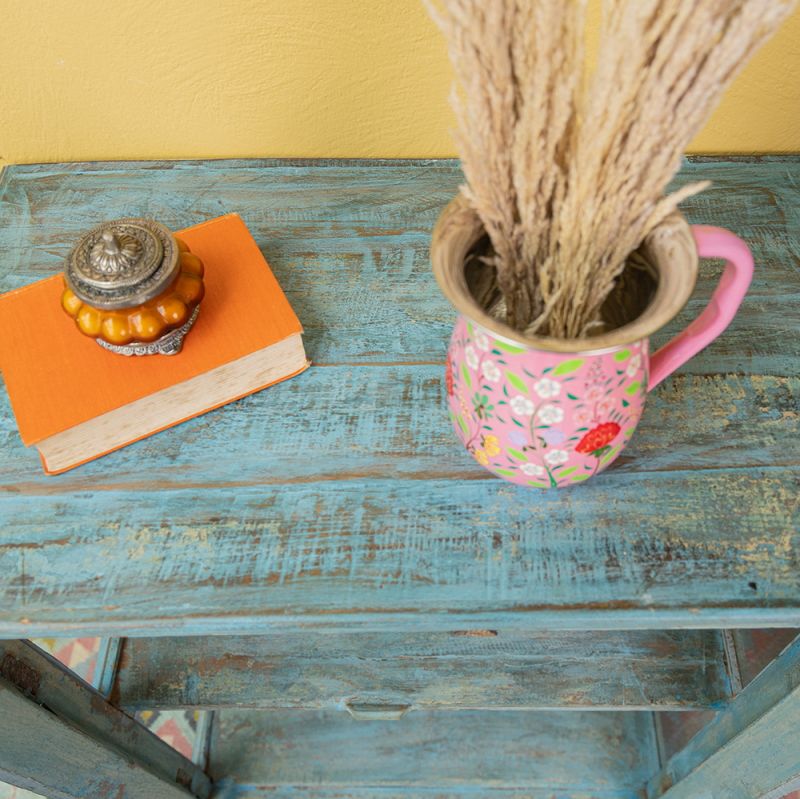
[[712, 242]]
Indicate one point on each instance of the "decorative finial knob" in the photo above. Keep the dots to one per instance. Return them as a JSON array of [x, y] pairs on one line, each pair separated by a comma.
[[114, 254], [111, 243]]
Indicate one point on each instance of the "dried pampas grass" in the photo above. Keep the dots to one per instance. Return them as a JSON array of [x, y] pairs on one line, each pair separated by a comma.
[[567, 171]]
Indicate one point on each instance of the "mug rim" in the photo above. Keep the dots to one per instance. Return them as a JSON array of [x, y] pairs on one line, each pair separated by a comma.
[[670, 248]]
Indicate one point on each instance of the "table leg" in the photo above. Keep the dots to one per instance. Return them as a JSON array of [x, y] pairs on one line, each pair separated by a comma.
[[751, 749], [60, 738]]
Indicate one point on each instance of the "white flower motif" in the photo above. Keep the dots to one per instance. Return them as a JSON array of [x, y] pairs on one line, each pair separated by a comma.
[[533, 470], [480, 340], [556, 457], [604, 407], [633, 365], [547, 388], [593, 393], [471, 356], [581, 416], [550, 414], [522, 406], [491, 371]]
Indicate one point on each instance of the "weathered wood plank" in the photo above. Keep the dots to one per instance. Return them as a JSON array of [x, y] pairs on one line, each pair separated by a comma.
[[361, 421], [60, 738], [484, 669], [232, 791], [593, 753], [751, 748], [660, 549], [316, 525], [349, 243]]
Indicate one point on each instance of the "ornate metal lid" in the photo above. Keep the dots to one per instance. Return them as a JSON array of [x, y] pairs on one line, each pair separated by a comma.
[[122, 263]]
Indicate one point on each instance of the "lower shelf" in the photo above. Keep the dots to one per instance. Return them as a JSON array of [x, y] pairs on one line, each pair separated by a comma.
[[535, 754], [516, 670]]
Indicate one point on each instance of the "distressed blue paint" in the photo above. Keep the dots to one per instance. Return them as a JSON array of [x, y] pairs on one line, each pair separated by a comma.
[[514, 618], [563, 753], [750, 748], [488, 669], [61, 739], [365, 421], [349, 242], [106, 664], [341, 499], [372, 550], [233, 791]]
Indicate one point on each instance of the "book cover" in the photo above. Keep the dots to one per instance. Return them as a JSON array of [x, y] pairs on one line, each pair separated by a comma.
[[57, 378]]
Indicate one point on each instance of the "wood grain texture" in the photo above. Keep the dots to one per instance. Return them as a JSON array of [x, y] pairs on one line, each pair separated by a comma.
[[580, 752], [480, 669], [651, 550], [61, 738], [342, 498], [349, 241], [233, 791], [75, 767], [392, 422], [750, 749]]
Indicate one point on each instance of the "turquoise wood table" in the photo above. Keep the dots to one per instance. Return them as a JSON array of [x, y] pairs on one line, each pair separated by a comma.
[[367, 611]]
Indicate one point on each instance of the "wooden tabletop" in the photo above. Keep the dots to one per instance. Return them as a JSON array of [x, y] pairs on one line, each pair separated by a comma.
[[342, 499]]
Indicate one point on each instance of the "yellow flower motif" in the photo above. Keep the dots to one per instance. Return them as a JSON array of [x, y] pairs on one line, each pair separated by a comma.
[[481, 457], [491, 445]]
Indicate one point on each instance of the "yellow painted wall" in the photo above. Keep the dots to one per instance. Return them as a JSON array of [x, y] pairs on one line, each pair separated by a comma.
[[114, 79]]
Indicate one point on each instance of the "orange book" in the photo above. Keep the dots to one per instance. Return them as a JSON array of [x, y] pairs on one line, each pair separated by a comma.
[[76, 401]]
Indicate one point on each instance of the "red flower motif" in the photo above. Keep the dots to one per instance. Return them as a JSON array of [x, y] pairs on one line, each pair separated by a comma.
[[596, 439], [448, 377]]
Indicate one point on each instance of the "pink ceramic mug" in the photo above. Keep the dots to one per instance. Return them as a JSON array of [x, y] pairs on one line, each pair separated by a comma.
[[548, 412]]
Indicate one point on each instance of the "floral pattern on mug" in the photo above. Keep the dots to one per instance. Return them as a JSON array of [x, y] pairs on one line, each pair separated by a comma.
[[538, 418]]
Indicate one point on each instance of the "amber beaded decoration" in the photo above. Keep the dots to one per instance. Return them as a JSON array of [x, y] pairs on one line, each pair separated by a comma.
[[134, 287]]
